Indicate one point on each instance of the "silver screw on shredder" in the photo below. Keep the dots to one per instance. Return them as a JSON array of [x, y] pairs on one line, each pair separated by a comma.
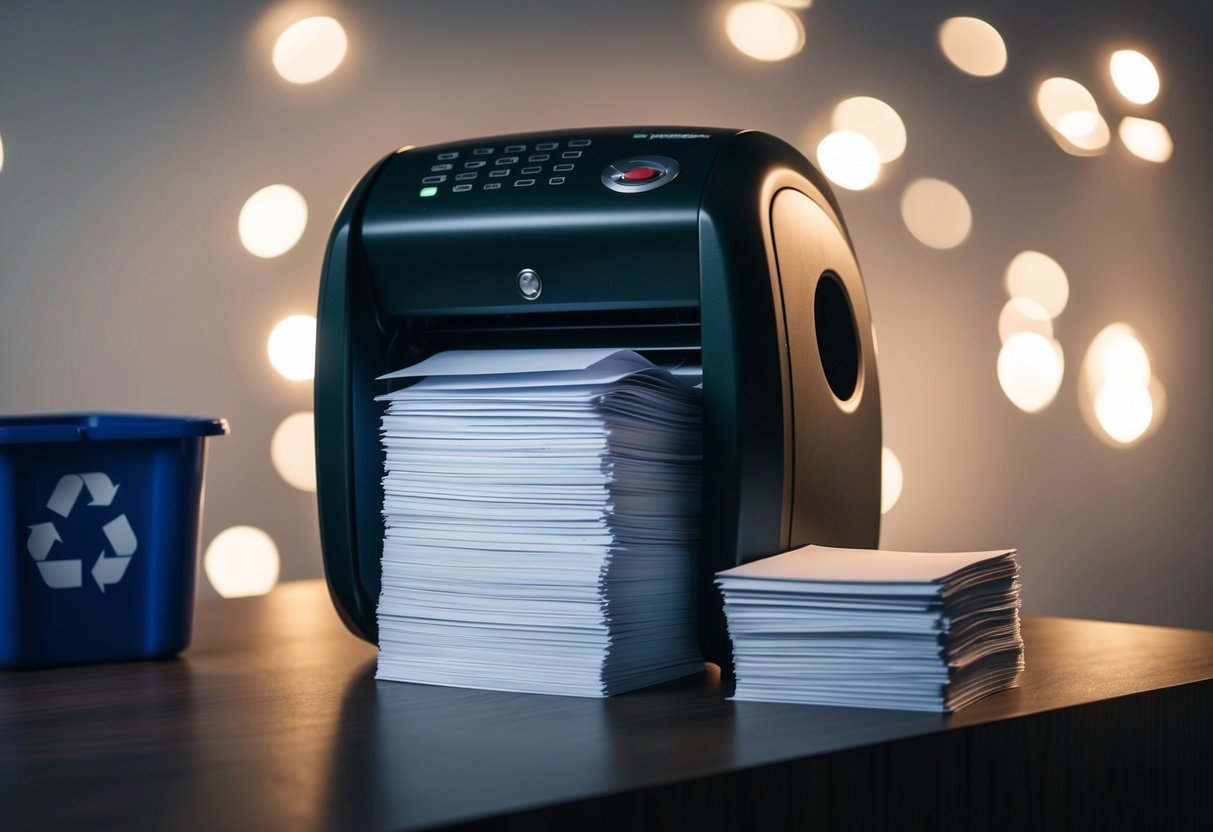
[[529, 284]]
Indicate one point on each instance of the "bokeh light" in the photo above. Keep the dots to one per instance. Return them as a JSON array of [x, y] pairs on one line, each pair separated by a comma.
[[1023, 315], [891, 480], [1040, 278], [1, 153], [1134, 76], [242, 561], [1146, 139], [293, 450], [1078, 124], [292, 347], [1124, 411], [936, 213], [1158, 399], [1119, 394], [793, 4], [1064, 99], [764, 31], [310, 49], [1089, 141], [272, 220], [849, 159], [1069, 112], [973, 46], [1117, 356], [1030, 369], [874, 120]]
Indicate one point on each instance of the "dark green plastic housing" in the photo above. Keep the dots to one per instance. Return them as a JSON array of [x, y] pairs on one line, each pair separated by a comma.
[[740, 260]]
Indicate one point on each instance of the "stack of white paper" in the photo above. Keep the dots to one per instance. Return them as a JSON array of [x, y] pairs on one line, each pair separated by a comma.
[[865, 628], [541, 512]]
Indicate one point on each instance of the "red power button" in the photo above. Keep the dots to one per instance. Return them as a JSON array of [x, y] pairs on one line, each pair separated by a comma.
[[640, 174]]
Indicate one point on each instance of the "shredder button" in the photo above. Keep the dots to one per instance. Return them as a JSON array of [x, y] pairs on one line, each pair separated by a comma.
[[640, 175]]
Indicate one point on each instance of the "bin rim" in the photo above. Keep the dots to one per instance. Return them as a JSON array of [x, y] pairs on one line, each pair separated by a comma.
[[105, 426]]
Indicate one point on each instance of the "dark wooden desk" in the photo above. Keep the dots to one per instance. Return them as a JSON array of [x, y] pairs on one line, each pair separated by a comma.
[[273, 720]]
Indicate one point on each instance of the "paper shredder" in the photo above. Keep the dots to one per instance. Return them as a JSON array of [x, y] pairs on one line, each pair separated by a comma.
[[724, 248]]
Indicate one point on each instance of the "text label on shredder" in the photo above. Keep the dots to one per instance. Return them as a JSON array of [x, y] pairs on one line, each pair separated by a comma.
[[68, 574]]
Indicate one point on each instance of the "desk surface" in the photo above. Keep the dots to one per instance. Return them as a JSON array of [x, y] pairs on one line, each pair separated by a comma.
[[273, 720]]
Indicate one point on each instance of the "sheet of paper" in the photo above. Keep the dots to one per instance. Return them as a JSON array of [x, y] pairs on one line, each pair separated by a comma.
[[830, 564], [500, 369], [505, 362]]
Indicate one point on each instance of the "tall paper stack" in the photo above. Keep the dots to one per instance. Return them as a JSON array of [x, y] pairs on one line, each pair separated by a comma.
[[541, 511], [864, 628]]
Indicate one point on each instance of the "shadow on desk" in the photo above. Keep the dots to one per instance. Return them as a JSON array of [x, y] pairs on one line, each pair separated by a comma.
[[415, 751]]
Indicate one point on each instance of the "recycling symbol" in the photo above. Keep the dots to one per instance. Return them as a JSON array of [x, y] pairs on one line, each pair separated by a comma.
[[68, 574]]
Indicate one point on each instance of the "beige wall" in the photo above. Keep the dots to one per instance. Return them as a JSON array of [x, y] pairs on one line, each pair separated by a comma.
[[134, 131]]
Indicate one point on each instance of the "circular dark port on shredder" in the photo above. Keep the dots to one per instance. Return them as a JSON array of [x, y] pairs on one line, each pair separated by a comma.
[[837, 336]]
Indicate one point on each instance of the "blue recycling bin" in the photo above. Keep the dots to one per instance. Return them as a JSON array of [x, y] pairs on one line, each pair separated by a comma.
[[100, 516]]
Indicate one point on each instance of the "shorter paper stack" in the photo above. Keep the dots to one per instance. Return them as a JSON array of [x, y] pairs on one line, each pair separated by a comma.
[[541, 512], [865, 628]]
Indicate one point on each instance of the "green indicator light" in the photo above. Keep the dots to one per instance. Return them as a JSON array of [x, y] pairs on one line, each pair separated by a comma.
[[639, 135], [430, 191]]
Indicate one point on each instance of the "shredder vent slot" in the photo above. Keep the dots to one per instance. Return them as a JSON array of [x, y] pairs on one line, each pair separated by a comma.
[[647, 329]]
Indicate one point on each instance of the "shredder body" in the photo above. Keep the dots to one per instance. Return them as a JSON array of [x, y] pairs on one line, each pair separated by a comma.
[[736, 256]]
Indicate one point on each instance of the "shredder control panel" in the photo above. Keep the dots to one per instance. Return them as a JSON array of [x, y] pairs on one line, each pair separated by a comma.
[[490, 167], [597, 162]]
